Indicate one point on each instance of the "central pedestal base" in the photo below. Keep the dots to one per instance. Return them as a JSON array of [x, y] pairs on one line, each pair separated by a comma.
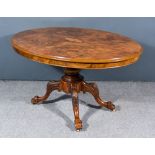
[[72, 83]]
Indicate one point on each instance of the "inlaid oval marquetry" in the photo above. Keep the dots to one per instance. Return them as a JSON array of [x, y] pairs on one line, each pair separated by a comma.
[[77, 47]]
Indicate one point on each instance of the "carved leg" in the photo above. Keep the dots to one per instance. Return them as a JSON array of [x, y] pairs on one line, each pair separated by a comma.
[[51, 86], [92, 89], [77, 122]]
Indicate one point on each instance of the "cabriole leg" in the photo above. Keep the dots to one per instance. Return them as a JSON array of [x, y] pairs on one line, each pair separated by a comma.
[[93, 89], [77, 121], [51, 86]]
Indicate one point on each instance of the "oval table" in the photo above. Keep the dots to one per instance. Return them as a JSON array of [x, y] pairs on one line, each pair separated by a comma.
[[75, 49]]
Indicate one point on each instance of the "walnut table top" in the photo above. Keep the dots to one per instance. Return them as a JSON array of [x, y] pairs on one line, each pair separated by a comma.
[[77, 47]]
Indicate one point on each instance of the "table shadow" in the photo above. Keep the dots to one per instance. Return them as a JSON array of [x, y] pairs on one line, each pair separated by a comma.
[[70, 123], [54, 109]]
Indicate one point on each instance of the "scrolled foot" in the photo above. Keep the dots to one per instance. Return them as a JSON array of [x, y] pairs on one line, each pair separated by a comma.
[[36, 100], [110, 106], [78, 125]]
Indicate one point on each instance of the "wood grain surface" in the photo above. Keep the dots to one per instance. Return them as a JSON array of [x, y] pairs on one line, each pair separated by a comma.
[[77, 47]]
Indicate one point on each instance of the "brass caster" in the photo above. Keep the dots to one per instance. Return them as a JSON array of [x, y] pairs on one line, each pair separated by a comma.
[[78, 130]]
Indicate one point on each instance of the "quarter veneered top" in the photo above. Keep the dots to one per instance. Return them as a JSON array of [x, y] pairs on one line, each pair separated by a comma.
[[76, 45]]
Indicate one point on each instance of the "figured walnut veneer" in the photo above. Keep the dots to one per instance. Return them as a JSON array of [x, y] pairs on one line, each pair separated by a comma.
[[75, 49]]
